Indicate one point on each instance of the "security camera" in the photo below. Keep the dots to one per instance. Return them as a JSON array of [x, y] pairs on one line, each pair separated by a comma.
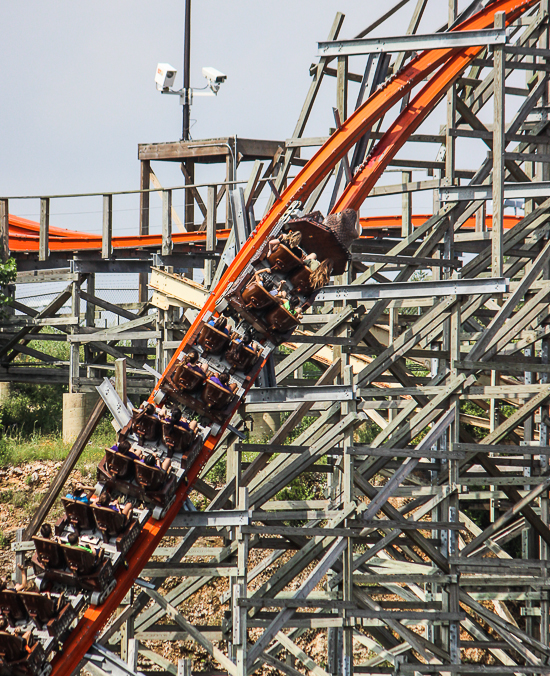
[[213, 76], [165, 76]]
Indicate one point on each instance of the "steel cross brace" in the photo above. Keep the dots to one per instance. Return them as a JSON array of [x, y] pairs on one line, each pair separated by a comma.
[[400, 290], [413, 43], [103, 661]]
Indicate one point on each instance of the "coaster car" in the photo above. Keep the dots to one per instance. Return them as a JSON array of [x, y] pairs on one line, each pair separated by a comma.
[[158, 486], [281, 320], [118, 464], [48, 554], [301, 281], [17, 659], [318, 238], [215, 396], [241, 356], [187, 378], [12, 606], [135, 488], [43, 612], [283, 260], [113, 481], [256, 297], [212, 340], [115, 525], [86, 570], [79, 514], [76, 567], [147, 427], [178, 440]]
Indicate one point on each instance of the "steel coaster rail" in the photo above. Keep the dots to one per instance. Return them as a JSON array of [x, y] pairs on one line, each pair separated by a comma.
[[83, 636]]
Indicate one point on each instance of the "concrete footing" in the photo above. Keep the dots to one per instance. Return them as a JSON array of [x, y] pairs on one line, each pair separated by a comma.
[[5, 391], [264, 425], [77, 408]]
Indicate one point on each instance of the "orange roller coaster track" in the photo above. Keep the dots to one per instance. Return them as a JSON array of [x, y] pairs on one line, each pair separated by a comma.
[[24, 240], [451, 64]]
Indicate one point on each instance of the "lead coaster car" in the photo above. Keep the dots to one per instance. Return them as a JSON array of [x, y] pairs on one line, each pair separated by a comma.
[[328, 239]]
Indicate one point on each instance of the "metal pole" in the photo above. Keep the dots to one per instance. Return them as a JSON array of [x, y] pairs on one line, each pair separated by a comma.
[[499, 146], [186, 68]]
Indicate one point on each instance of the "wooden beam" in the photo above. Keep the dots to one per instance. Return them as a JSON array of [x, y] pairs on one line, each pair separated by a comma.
[[65, 470]]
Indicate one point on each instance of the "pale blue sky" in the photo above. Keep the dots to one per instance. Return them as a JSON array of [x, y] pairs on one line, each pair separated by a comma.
[[79, 94]]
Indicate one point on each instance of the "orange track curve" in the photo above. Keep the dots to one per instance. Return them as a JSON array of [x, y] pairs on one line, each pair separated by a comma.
[[324, 160], [26, 241]]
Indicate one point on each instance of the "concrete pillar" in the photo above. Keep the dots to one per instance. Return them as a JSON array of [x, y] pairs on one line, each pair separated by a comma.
[[5, 392], [77, 408], [264, 425]]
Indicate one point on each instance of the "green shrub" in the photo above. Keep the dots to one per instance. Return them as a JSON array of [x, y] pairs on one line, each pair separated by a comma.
[[31, 409]]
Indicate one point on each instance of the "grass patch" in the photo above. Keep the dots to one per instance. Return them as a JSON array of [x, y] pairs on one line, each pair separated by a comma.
[[16, 448]]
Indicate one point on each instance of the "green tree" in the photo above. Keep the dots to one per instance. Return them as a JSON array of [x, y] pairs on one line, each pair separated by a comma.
[[8, 272]]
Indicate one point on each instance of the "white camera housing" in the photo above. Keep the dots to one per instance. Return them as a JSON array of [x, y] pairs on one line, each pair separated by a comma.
[[214, 77], [165, 76]]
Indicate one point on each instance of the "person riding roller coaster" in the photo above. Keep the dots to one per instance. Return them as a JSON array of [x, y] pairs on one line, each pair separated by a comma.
[[191, 360], [176, 420], [105, 500], [153, 461], [223, 381], [264, 277], [292, 240], [81, 493], [292, 305], [124, 447], [73, 541], [220, 324], [321, 275]]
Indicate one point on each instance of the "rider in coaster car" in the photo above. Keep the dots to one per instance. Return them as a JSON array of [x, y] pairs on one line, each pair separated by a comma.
[[311, 262], [46, 531], [153, 461], [292, 240], [292, 306], [27, 636], [223, 381], [246, 340], [124, 447], [241, 347], [321, 275], [79, 494], [151, 410], [25, 584], [73, 541], [265, 278], [105, 500], [191, 359], [220, 324], [176, 420]]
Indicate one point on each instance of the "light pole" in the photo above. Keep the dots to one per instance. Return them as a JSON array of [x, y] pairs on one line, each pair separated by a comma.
[[186, 71]]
